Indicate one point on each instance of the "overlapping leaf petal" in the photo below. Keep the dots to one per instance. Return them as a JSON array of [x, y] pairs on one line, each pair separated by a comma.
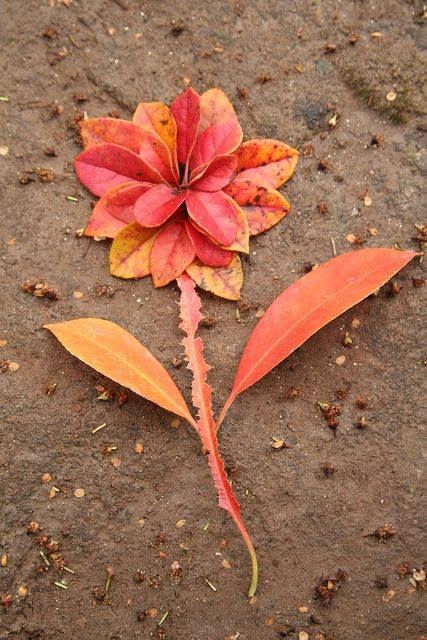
[[130, 251], [156, 205], [267, 162], [224, 282], [263, 207], [171, 254]]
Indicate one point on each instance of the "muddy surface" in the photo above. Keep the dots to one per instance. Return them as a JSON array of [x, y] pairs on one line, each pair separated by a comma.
[[289, 69]]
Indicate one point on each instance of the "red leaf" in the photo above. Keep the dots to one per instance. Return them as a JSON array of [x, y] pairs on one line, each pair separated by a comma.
[[214, 213], [97, 131], [171, 254], [208, 252], [266, 162], [215, 175], [263, 207], [310, 303], [115, 353], [107, 165], [156, 116], [155, 206], [201, 393], [186, 111], [220, 139], [114, 210], [155, 152]]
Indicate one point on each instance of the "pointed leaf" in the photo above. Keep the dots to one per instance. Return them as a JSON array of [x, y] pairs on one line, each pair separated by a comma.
[[155, 206], [219, 139], [155, 152], [208, 252], [262, 206], [224, 282], [115, 353], [107, 165], [267, 162], [214, 175], [97, 131], [130, 252], [310, 303], [186, 111], [241, 241], [156, 116], [216, 108], [114, 210], [171, 254], [214, 213], [202, 394]]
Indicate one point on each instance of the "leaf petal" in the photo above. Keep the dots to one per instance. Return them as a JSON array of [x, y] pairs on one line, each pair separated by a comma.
[[241, 241], [171, 254], [214, 213], [267, 162], [208, 252], [115, 353], [224, 282], [219, 139], [186, 111], [156, 116], [130, 252], [107, 165], [97, 131], [214, 175], [263, 207], [114, 210], [308, 305], [202, 396], [155, 152], [155, 206], [216, 108]]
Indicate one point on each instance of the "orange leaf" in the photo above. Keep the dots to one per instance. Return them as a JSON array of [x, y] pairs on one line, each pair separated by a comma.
[[115, 353], [262, 206], [225, 282], [172, 252], [156, 116], [95, 131], [202, 393], [267, 162], [130, 252], [308, 305]]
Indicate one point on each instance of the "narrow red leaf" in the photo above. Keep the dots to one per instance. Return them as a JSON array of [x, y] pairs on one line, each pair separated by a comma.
[[155, 152], [186, 111], [157, 204], [214, 213], [115, 353], [308, 305], [208, 252], [97, 131], [171, 254], [107, 165], [202, 393], [215, 175]]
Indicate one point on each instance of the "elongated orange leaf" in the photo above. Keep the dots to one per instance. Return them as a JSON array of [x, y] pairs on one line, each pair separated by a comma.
[[202, 392], [224, 282], [115, 353], [130, 252], [310, 303]]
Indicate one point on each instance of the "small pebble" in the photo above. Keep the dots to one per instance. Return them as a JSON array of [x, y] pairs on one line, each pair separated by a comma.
[[340, 360], [79, 493]]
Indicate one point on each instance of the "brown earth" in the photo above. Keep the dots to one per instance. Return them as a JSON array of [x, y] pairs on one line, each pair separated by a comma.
[[60, 59]]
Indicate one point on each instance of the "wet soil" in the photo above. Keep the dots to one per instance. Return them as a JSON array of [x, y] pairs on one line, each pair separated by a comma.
[[289, 69]]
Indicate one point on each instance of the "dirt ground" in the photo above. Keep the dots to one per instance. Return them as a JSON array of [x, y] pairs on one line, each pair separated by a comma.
[[290, 68]]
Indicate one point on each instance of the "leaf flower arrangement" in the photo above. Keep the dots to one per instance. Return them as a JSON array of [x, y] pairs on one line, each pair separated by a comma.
[[297, 313], [179, 191]]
